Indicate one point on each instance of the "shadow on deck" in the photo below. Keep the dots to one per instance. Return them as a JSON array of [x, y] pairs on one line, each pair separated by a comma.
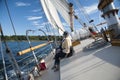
[[110, 54], [100, 64]]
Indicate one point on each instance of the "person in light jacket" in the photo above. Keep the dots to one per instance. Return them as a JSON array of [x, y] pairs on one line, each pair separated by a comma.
[[64, 51]]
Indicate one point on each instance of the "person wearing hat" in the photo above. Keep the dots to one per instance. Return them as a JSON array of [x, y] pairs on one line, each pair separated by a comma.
[[65, 50]]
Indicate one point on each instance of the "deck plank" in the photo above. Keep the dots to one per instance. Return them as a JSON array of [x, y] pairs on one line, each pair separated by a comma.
[[100, 64], [49, 74]]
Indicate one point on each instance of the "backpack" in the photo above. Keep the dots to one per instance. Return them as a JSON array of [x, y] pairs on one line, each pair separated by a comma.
[[71, 52]]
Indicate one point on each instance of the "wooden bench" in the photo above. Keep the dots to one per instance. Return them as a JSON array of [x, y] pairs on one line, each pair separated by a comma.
[[75, 43]]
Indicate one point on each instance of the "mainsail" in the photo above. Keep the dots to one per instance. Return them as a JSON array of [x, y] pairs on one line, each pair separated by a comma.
[[51, 9], [52, 15], [63, 8], [66, 11]]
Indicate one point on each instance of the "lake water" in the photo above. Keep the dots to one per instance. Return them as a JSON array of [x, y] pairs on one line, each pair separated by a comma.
[[26, 58]]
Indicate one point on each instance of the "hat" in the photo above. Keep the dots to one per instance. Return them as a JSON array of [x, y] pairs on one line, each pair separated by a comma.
[[65, 33]]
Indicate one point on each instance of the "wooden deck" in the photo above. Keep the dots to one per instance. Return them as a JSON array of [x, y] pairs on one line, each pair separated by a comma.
[[50, 74], [100, 64], [97, 64]]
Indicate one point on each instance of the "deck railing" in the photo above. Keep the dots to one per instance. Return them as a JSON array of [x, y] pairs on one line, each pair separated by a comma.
[[27, 63]]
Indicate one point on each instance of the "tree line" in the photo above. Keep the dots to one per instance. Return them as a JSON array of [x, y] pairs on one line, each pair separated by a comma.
[[23, 37]]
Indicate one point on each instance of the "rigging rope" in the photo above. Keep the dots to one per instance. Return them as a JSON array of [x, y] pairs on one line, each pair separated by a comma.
[[53, 21], [10, 17], [12, 24], [76, 17], [67, 10], [6, 77], [85, 13], [83, 10], [50, 29], [10, 55], [53, 32]]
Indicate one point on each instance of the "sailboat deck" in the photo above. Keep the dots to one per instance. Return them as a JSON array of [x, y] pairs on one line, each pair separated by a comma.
[[50, 74], [100, 64]]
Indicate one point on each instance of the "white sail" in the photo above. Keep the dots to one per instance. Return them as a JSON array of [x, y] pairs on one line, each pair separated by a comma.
[[52, 15], [63, 8]]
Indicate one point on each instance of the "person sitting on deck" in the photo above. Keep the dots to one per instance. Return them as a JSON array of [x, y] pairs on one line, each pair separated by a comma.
[[64, 51]]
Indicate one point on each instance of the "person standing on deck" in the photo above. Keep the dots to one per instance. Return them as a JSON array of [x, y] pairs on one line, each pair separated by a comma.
[[65, 50], [104, 36]]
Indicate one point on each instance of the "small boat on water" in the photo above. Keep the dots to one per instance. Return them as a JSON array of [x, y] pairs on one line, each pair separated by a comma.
[[96, 54]]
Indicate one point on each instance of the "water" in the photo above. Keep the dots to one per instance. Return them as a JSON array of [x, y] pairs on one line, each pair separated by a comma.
[[25, 61]]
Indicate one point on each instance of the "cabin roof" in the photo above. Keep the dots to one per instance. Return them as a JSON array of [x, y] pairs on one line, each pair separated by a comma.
[[104, 3]]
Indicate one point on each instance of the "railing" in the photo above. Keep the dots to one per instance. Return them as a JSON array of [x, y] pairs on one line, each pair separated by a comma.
[[29, 61]]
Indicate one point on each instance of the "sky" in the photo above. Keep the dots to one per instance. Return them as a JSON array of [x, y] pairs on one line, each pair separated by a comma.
[[28, 14]]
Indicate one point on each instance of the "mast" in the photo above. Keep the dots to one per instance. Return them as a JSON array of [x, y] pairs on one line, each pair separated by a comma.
[[71, 16]]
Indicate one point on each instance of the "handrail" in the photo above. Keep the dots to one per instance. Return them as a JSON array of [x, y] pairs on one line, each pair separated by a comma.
[[27, 57], [29, 62], [31, 45]]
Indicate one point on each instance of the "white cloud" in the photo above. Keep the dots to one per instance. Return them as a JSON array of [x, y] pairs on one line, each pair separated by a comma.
[[19, 4], [36, 10], [34, 17], [36, 23], [45, 23], [91, 9]]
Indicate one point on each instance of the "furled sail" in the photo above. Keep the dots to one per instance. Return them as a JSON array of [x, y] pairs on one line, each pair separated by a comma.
[[52, 15]]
